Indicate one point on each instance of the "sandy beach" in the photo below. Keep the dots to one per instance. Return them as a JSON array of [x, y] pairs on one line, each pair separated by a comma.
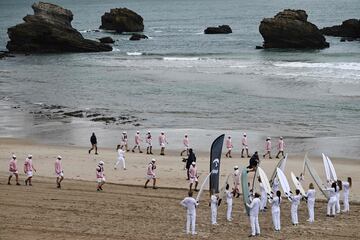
[[128, 211]]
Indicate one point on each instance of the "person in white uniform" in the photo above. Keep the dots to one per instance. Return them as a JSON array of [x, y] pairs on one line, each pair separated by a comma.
[[332, 200], [295, 202], [214, 200], [346, 189], [229, 202], [190, 204], [275, 210], [254, 215], [121, 157], [236, 180], [149, 143], [338, 189], [310, 195]]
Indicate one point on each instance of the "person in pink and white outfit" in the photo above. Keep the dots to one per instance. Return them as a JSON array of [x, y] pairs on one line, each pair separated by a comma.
[[59, 171], [281, 146], [29, 169], [162, 142], [268, 147], [13, 170], [244, 143], [186, 145], [138, 140], [149, 143], [150, 174], [100, 176], [229, 147], [193, 176]]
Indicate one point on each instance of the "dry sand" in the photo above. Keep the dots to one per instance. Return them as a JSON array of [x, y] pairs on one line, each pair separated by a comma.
[[77, 211]]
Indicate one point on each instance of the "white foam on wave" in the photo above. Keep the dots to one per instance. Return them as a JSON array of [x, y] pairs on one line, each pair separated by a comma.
[[340, 65], [181, 58], [134, 53], [115, 49]]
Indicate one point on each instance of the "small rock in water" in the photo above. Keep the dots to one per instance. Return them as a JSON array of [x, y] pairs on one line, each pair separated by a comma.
[[136, 37], [223, 29], [106, 40]]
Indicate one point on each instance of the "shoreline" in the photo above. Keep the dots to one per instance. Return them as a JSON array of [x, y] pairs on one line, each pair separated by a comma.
[[79, 165]]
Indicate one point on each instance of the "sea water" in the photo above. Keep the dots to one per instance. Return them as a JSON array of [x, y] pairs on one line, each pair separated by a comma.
[[183, 81]]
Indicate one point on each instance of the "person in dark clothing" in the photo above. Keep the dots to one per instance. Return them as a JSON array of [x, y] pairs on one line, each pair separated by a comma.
[[93, 142], [253, 162], [191, 158]]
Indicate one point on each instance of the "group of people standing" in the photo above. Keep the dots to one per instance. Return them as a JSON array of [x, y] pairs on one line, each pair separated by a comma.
[[245, 147]]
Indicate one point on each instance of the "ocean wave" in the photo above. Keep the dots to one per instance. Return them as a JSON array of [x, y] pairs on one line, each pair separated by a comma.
[[340, 65], [181, 58], [134, 53]]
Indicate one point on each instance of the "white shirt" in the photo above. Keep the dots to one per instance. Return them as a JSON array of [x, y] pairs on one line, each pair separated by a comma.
[[346, 187], [275, 207], [213, 200], [310, 194], [295, 199], [190, 204], [254, 207], [229, 195], [120, 153]]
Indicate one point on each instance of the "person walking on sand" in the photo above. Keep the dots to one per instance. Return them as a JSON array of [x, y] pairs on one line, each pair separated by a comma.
[[100, 175], [214, 201], [29, 169], [186, 145], [229, 202], [138, 140], [149, 143], [346, 189], [310, 196], [254, 215], [191, 158], [229, 147], [236, 180], [13, 170], [190, 204], [280, 146], [193, 176], [295, 202], [244, 143], [93, 141], [150, 174], [59, 171], [275, 210], [124, 141], [268, 148], [121, 157], [162, 143]]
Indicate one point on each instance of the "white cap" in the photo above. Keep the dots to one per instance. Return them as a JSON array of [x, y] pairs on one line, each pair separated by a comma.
[[101, 163], [193, 163], [281, 137], [268, 138], [148, 131], [244, 134], [153, 160], [137, 132], [162, 132], [124, 132], [59, 157], [13, 156], [236, 167], [29, 156], [229, 136]]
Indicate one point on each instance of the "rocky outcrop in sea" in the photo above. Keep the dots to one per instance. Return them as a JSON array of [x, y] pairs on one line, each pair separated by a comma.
[[223, 29], [49, 30], [122, 20], [348, 30], [290, 29]]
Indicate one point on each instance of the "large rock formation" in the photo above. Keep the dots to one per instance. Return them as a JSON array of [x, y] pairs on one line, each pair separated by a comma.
[[49, 30], [122, 20], [348, 29], [290, 29], [223, 29]]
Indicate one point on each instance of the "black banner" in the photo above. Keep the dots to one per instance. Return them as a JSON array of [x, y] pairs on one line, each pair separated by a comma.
[[215, 156]]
